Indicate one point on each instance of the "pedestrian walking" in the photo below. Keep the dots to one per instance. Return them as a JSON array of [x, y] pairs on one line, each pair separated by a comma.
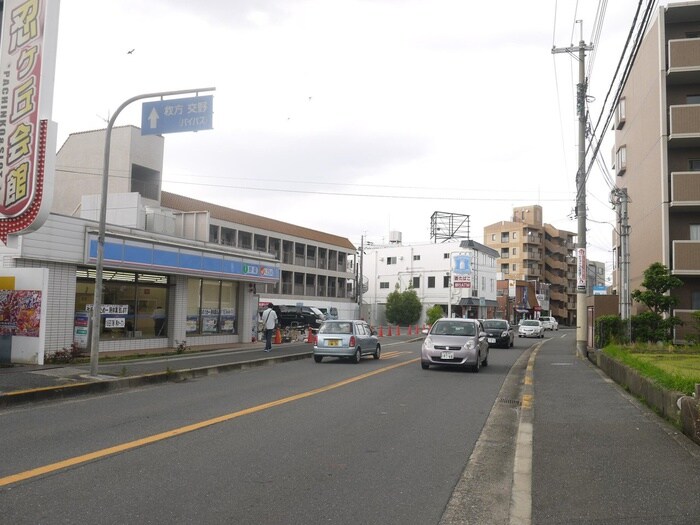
[[269, 321]]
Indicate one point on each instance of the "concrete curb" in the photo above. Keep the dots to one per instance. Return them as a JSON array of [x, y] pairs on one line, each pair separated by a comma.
[[98, 386], [674, 406]]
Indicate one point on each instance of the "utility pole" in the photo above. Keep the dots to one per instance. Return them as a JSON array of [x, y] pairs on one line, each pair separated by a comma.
[[581, 310], [621, 199], [361, 283]]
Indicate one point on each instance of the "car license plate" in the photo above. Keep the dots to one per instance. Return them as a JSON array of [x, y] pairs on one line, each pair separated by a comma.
[[492, 339], [447, 355], [333, 342]]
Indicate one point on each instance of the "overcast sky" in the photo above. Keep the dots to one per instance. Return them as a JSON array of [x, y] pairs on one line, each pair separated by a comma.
[[356, 117]]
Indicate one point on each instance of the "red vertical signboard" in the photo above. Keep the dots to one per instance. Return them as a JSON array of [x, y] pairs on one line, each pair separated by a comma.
[[27, 63]]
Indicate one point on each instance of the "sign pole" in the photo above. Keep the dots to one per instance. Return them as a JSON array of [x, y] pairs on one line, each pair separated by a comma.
[[97, 301]]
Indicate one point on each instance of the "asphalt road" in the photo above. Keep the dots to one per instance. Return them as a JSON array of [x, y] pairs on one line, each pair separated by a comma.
[[296, 442]]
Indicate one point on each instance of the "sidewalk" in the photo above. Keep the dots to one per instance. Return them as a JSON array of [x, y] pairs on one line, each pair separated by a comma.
[[599, 455], [28, 383]]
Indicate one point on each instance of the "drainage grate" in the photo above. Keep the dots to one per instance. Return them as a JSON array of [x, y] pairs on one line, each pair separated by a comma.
[[514, 402]]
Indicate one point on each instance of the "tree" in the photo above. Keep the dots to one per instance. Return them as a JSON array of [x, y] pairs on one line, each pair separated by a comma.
[[403, 308], [435, 313], [652, 325]]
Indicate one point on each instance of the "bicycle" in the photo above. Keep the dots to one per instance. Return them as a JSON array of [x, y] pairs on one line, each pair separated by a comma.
[[182, 346]]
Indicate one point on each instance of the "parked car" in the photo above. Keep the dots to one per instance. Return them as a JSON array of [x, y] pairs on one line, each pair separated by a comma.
[[346, 338], [549, 323], [298, 317], [499, 333], [530, 328], [455, 342]]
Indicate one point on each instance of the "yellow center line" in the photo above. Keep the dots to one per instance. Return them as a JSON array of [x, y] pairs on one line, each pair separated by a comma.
[[110, 451]]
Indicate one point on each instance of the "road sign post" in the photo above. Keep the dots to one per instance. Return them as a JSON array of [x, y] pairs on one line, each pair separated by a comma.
[[97, 301]]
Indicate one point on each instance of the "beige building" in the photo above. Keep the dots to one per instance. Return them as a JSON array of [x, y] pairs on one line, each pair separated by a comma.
[[533, 251], [657, 155]]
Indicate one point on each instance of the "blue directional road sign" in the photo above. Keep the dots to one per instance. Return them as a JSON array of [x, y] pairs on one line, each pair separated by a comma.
[[176, 115]]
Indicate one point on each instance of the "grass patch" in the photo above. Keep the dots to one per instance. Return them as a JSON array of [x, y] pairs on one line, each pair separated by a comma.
[[675, 369]]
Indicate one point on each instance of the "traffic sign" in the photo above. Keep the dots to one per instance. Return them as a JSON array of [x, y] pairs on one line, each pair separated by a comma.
[[176, 115]]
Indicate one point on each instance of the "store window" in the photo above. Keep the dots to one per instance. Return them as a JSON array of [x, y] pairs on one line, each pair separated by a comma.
[[135, 305], [211, 307]]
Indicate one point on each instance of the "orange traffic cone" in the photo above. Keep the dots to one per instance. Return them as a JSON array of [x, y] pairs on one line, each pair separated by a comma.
[[381, 331], [410, 331], [417, 330], [278, 337], [310, 336], [398, 330], [389, 334]]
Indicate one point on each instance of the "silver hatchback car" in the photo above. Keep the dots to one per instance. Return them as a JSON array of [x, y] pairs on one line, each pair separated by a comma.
[[455, 342], [346, 338]]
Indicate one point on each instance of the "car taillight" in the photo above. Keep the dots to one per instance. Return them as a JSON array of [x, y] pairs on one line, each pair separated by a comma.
[[352, 340]]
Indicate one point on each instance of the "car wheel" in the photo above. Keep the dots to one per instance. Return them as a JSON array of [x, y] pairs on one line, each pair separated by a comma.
[[357, 357], [424, 365], [378, 352], [318, 358]]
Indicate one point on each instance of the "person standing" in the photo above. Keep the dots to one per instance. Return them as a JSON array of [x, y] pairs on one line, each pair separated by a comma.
[[269, 319]]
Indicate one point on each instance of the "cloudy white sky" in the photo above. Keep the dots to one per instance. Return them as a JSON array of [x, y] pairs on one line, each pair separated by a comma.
[[357, 117]]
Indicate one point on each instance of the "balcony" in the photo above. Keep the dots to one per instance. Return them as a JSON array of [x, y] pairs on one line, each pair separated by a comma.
[[683, 61], [684, 126], [686, 258], [685, 190]]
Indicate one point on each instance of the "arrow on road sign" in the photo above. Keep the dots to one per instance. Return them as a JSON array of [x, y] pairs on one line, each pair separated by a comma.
[[153, 119]]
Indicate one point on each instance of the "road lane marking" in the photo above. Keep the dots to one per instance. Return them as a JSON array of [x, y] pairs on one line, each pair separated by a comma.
[[110, 451]]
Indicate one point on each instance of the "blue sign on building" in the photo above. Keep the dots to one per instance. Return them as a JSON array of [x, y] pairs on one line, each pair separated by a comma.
[[177, 115]]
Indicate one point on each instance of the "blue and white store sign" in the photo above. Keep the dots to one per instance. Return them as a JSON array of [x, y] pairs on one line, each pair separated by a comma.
[[157, 257]]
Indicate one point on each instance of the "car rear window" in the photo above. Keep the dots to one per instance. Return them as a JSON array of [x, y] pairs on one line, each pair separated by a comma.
[[335, 328], [531, 323]]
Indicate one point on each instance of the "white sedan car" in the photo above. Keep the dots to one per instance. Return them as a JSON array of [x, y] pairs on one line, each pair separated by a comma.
[[549, 323], [531, 328]]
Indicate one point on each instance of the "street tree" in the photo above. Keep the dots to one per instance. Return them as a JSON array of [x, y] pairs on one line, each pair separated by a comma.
[[403, 308], [655, 324]]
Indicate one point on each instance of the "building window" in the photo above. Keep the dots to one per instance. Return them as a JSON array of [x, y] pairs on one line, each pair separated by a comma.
[[493, 236], [515, 267], [431, 282], [621, 160], [515, 235], [445, 255], [505, 269], [384, 285], [140, 303], [695, 232], [620, 111], [694, 164], [416, 282], [416, 257], [515, 251], [446, 281], [391, 260], [695, 301], [505, 237], [692, 99]]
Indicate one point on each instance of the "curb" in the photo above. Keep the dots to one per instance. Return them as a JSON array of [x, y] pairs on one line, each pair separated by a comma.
[[677, 408], [100, 386]]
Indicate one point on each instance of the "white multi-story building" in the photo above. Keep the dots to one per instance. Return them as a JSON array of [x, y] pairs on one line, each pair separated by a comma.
[[430, 270]]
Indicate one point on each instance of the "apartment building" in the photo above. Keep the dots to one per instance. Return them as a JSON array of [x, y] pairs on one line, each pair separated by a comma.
[[530, 250], [656, 155]]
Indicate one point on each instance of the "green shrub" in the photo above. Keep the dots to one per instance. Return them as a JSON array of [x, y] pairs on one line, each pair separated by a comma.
[[434, 313], [608, 329]]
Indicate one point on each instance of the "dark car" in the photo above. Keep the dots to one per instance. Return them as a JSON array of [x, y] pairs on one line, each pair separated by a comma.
[[499, 333], [295, 317]]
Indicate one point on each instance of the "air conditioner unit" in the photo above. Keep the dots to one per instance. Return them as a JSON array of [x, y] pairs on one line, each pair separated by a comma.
[[381, 259]]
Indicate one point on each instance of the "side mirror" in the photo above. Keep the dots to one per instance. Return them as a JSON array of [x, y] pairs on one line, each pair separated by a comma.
[[424, 331]]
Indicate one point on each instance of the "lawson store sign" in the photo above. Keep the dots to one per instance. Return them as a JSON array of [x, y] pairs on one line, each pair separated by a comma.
[[152, 256]]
